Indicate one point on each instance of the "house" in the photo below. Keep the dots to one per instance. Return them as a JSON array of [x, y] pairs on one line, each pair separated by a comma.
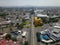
[[5, 23], [27, 16], [53, 16]]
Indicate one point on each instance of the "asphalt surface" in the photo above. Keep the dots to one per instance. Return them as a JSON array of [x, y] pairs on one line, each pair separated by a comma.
[[32, 33]]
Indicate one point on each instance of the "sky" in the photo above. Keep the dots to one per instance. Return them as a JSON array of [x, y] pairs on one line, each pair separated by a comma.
[[29, 2]]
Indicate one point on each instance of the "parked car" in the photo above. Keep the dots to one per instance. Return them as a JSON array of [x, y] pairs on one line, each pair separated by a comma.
[[16, 32], [24, 34]]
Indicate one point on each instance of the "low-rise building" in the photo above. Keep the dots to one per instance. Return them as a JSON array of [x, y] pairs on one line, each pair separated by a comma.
[[53, 33], [42, 16]]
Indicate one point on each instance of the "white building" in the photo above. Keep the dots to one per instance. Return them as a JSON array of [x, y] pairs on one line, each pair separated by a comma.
[[27, 16], [41, 15], [53, 33], [5, 23]]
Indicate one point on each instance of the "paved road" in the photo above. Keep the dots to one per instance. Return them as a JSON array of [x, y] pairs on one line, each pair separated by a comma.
[[32, 33]]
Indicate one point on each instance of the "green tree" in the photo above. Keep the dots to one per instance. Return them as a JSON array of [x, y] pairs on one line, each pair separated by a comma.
[[3, 15], [26, 43], [38, 36], [8, 37], [21, 25]]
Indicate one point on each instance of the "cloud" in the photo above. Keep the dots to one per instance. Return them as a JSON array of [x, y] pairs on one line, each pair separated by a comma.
[[30, 2]]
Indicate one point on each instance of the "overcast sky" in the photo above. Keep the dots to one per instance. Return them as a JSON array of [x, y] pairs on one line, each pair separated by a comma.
[[29, 2]]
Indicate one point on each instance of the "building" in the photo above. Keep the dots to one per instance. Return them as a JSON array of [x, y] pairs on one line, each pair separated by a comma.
[[53, 33], [5, 23], [42, 16], [27, 16]]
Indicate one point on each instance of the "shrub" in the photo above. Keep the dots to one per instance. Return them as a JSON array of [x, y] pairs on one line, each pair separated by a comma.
[[8, 36], [27, 26], [26, 43], [21, 25], [38, 36], [14, 38]]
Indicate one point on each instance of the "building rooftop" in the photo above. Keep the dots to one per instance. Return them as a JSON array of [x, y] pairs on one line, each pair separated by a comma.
[[5, 22], [41, 15]]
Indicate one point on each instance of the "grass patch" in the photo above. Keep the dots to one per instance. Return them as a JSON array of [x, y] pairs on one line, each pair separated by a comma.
[[27, 22], [28, 26], [38, 26]]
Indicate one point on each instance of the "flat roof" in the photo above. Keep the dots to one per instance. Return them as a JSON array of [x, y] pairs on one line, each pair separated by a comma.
[[57, 26], [57, 30], [41, 15], [5, 22]]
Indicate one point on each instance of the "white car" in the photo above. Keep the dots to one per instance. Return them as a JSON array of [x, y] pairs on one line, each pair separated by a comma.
[[19, 31], [24, 34]]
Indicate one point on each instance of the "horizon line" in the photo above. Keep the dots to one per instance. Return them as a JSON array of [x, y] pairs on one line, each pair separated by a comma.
[[29, 6]]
